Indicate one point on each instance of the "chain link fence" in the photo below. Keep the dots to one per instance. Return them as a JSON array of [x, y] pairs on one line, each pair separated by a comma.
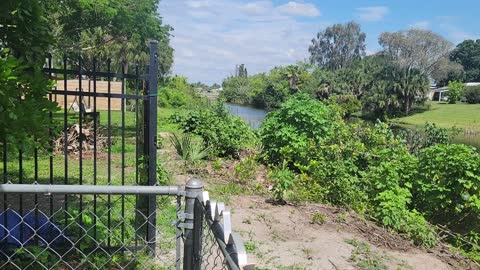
[[108, 227], [102, 232]]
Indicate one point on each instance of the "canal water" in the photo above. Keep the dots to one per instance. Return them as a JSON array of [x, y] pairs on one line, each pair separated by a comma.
[[252, 116]]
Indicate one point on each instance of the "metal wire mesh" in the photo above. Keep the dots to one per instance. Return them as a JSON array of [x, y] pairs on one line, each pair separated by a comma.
[[212, 256], [214, 252], [101, 232]]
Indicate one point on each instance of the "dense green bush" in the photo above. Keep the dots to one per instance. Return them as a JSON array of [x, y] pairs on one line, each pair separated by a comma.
[[354, 165], [177, 92], [289, 132], [431, 135], [222, 132], [455, 90], [24, 104], [472, 95], [447, 188]]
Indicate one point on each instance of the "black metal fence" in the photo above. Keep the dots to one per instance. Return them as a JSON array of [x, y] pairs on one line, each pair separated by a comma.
[[89, 145], [90, 199]]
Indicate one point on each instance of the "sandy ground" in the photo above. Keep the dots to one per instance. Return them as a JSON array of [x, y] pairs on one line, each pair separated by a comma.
[[284, 237]]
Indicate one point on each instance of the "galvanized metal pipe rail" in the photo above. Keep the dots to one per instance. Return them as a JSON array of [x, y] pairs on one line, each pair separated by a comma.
[[92, 189]]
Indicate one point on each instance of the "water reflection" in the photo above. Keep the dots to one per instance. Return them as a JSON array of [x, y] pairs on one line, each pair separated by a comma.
[[253, 116]]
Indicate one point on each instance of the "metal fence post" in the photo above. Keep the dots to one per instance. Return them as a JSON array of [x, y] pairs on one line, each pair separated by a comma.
[[152, 142], [193, 190]]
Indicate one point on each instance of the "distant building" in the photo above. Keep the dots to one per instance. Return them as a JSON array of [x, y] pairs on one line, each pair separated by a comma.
[[440, 94]]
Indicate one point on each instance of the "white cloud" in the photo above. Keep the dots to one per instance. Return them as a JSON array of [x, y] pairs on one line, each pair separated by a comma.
[[448, 24], [258, 8], [420, 25], [298, 9], [455, 34], [210, 39], [197, 4], [372, 14]]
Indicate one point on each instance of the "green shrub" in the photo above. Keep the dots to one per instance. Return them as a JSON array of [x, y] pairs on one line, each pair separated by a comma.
[[472, 95], [177, 92], [246, 169], [431, 135], [289, 132], [392, 211], [189, 150], [24, 104], [283, 181], [455, 90], [223, 133], [447, 188]]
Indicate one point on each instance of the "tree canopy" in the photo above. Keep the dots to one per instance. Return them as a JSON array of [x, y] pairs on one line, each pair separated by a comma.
[[416, 48], [338, 46], [467, 54], [31, 29]]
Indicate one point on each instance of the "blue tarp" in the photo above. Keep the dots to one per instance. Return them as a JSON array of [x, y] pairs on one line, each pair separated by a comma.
[[47, 232]]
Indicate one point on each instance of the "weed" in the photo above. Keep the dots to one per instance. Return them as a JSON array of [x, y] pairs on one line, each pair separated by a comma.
[[224, 192], [189, 150], [308, 253], [217, 164], [341, 218], [318, 218], [250, 246], [364, 257], [247, 220], [246, 169]]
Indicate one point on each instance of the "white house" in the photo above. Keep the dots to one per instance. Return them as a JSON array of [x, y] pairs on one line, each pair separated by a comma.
[[440, 94]]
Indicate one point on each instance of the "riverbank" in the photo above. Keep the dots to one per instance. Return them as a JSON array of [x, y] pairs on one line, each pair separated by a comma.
[[465, 117]]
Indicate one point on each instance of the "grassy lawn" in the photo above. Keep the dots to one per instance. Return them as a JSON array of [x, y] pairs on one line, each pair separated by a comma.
[[58, 173], [463, 116]]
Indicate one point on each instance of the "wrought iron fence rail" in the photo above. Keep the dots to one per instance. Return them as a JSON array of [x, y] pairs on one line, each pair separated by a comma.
[[94, 73], [99, 94]]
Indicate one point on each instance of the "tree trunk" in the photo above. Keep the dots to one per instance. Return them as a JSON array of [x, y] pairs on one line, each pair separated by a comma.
[[407, 105]]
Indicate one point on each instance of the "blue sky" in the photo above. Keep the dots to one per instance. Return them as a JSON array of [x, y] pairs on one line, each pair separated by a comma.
[[211, 36]]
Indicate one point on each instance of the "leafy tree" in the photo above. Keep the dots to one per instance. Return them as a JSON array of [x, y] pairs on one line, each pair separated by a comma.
[[24, 30], [416, 49], [322, 83], [236, 90], [455, 91], [410, 86], [338, 46], [24, 41], [117, 29], [266, 90], [446, 70], [395, 89], [24, 106], [467, 54], [177, 92]]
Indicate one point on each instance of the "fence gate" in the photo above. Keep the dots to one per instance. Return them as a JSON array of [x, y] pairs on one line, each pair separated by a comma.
[[90, 199], [103, 135]]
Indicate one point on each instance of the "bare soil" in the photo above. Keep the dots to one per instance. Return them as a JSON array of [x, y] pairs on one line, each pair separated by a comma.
[[284, 237]]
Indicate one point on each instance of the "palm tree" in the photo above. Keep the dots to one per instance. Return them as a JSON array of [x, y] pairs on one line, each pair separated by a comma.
[[409, 85]]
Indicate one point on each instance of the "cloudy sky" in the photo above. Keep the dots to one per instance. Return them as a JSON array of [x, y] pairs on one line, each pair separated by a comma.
[[211, 36]]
